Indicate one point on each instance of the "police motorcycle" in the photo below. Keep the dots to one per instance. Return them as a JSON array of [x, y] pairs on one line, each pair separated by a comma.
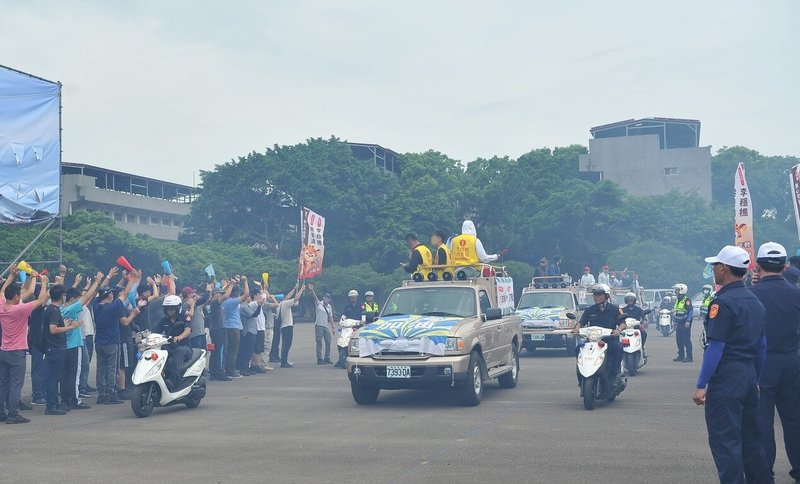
[[596, 380], [665, 326], [346, 329], [150, 387], [633, 356]]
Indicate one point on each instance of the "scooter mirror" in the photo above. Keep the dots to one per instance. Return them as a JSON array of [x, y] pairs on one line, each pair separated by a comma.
[[571, 316]]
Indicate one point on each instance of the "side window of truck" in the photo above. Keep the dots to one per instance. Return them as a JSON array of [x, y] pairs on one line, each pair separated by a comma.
[[484, 300]]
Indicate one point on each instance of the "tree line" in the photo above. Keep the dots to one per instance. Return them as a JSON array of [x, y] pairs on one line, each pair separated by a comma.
[[246, 218]]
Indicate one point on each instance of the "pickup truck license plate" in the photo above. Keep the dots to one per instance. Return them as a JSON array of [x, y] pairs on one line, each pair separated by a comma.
[[537, 337], [398, 372]]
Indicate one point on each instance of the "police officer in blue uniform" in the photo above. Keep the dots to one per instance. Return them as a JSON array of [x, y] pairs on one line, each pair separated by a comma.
[[606, 315], [732, 364], [780, 380]]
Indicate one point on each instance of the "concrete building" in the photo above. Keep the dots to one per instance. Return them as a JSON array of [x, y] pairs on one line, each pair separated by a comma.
[[138, 204], [650, 156]]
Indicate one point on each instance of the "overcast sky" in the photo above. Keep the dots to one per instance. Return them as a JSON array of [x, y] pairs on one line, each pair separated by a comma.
[[167, 88]]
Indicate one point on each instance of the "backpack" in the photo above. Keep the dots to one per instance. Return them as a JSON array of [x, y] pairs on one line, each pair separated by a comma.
[[37, 333]]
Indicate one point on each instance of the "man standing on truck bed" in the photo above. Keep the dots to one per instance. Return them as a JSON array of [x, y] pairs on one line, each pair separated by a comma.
[[420, 259], [467, 252]]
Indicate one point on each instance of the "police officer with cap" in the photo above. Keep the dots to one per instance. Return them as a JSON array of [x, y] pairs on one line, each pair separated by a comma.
[[780, 380], [732, 364]]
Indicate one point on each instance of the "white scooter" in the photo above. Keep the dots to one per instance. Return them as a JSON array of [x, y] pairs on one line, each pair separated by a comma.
[[150, 388], [665, 322], [347, 327], [633, 356], [593, 369]]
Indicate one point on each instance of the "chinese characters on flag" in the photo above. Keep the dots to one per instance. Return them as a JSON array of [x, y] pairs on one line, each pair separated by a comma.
[[312, 244], [743, 220]]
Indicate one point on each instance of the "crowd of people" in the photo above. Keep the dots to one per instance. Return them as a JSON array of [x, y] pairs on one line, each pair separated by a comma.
[[66, 325]]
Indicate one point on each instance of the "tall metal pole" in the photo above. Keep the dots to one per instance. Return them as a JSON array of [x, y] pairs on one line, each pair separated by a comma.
[[31, 244]]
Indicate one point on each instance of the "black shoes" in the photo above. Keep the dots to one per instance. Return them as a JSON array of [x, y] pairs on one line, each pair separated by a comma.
[[39, 401], [678, 358], [24, 406], [16, 419], [112, 401], [274, 360], [54, 411], [222, 377], [688, 360], [79, 406], [321, 362], [327, 361], [124, 394], [287, 365]]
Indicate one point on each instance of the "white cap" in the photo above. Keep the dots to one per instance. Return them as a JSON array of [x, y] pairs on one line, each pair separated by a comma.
[[771, 250], [731, 255]]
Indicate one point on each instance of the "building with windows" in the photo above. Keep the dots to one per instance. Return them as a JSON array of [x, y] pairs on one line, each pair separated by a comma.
[[383, 158], [138, 204], [650, 156]]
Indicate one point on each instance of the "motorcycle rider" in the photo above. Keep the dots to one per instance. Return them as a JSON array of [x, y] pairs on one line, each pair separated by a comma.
[[631, 310], [708, 296], [683, 323], [370, 307], [606, 315], [353, 310], [173, 324]]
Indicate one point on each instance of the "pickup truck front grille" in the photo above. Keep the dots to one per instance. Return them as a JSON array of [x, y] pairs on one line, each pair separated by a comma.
[[400, 356]]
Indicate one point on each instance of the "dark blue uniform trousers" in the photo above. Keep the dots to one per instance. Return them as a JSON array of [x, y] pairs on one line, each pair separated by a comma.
[[732, 419], [780, 389]]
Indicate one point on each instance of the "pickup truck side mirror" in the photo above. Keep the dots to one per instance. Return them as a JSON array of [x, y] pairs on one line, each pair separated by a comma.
[[493, 313], [571, 316]]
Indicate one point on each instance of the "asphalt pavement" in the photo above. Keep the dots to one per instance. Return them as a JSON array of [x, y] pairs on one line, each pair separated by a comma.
[[301, 425]]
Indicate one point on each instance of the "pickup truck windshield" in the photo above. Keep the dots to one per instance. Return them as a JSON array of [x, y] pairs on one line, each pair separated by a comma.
[[546, 300], [432, 301]]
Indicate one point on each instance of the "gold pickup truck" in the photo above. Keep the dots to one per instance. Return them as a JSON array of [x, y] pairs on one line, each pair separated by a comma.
[[457, 333]]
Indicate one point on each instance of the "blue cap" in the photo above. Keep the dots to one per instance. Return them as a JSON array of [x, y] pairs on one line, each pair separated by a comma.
[[280, 297]]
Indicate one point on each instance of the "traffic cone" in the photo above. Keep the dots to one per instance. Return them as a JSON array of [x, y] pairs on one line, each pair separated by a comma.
[[25, 267], [123, 262]]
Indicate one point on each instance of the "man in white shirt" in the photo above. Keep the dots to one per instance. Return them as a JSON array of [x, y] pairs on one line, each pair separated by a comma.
[[587, 279], [287, 323], [604, 277], [323, 326]]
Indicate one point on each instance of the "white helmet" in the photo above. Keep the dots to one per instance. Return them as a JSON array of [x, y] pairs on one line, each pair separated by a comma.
[[368, 293], [601, 289], [707, 287], [352, 293], [681, 288], [630, 295], [172, 301]]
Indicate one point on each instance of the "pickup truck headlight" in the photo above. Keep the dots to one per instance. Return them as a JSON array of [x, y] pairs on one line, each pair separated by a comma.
[[454, 344], [354, 346]]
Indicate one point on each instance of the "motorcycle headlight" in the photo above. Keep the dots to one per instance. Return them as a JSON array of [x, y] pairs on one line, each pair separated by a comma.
[[354, 346], [594, 335], [151, 340], [454, 344]]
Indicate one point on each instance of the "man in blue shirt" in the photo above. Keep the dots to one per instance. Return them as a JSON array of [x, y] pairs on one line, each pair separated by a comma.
[[71, 311], [606, 314], [732, 364], [780, 380], [109, 313], [233, 325]]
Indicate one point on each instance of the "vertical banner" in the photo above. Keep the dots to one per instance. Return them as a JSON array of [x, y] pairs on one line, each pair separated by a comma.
[[794, 182], [505, 294], [743, 220], [312, 241]]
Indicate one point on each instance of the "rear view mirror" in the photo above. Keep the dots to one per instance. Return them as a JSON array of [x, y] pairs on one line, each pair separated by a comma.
[[493, 313], [571, 316], [646, 312]]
